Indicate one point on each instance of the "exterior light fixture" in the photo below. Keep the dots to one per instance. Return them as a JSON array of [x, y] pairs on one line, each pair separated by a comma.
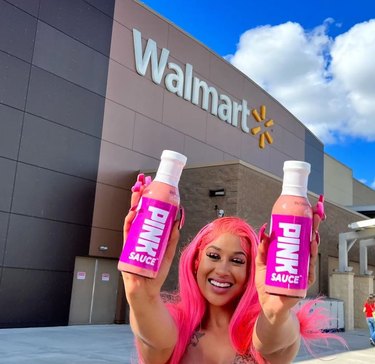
[[218, 192], [219, 212]]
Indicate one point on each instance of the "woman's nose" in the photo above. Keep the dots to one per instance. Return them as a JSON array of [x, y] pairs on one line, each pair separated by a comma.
[[223, 267]]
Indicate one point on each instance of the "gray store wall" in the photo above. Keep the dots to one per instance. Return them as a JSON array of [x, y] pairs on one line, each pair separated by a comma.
[[142, 118], [78, 122], [53, 73], [153, 113], [314, 156]]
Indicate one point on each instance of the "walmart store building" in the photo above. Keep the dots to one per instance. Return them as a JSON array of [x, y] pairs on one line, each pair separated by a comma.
[[91, 92]]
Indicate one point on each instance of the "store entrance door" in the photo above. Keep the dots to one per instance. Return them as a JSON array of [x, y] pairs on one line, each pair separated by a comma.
[[94, 292]]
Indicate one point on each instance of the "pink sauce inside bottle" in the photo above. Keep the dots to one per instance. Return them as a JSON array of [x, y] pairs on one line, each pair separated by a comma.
[[157, 210], [290, 235]]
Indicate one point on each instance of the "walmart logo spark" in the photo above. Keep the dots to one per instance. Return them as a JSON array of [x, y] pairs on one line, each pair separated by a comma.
[[265, 135]]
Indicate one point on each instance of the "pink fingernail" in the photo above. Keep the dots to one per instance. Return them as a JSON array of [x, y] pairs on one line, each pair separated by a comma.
[[141, 178], [261, 232], [137, 186], [317, 237], [319, 208], [148, 180], [182, 218]]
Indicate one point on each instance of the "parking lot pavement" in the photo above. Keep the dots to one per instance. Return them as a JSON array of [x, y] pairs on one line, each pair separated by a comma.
[[101, 344]]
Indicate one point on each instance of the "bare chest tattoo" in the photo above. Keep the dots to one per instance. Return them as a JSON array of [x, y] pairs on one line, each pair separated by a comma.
[[195, 338], [244, 359], [239, 359]]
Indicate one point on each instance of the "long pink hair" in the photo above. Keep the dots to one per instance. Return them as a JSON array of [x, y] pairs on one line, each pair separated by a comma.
[[189, 305]]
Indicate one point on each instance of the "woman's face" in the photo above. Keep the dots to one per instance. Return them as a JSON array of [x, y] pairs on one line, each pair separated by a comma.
[[221, 273]]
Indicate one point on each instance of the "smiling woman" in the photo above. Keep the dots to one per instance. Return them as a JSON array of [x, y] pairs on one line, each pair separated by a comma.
[[221, 313], [218, 295]]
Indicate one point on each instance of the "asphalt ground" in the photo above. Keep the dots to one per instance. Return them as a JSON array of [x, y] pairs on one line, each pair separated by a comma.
[[100, 344]]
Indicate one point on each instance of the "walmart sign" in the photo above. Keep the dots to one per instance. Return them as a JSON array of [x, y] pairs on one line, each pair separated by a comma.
[[183, 83]]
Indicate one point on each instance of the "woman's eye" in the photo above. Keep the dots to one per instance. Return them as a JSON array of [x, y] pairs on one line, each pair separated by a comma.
[[214, 256], [238, 260]]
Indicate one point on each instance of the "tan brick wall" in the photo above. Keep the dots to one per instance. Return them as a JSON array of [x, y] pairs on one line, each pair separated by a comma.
[[257, 194], [341, 286], [199, 208], [363, 286], [337, 221]]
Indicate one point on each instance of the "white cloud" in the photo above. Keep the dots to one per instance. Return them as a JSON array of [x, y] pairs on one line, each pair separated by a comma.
[[328, 84]]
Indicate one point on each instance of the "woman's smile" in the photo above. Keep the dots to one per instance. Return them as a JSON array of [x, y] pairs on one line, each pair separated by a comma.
[[219, 284]]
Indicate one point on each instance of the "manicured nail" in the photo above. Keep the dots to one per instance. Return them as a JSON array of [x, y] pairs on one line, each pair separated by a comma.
[[182, 218], [317, 237], [137, 186], [141, 178], [261, 234], [319, 208], [148, 180]]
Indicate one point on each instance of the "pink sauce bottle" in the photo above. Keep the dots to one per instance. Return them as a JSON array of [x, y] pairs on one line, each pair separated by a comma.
[[290, 235], [157, 210]]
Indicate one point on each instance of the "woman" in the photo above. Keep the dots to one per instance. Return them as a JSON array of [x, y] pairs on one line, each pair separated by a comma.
[[221, 313]]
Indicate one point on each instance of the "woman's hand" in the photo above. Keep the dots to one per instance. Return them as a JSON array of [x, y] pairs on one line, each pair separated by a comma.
[[137, 286]]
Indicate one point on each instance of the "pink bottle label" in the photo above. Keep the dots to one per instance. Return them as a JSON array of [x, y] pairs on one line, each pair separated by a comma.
[[149, 234], [289, 252]]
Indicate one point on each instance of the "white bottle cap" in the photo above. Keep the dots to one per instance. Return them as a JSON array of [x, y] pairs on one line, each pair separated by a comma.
[[170, 168], [296, 174]]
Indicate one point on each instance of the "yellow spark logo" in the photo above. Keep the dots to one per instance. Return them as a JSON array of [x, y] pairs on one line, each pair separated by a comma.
[[264, 136]]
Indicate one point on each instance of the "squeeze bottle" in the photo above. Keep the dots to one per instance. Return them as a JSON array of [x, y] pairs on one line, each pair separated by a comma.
[[157, 210], [290, 235]]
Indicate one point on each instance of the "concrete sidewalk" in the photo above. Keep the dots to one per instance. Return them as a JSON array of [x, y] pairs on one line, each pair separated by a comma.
[[359, 350], [94, 344], [99, 344]]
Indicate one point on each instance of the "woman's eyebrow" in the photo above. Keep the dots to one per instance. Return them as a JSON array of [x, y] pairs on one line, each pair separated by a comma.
[[241, 252], [219, 249], [214, 247]]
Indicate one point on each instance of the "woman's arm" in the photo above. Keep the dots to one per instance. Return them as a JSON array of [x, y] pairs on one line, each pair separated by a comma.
[[277, 337], [155, 335], [276, 333], [152, 325], [150, 320]]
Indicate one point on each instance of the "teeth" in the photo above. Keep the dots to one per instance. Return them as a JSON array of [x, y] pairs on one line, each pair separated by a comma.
[[220, 284]]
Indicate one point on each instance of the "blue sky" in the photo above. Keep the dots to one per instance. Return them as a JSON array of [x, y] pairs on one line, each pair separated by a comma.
[[317, 58]]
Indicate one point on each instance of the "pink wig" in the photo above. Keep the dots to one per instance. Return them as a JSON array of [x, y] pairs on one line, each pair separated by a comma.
[[189, 309], [312, 317]]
